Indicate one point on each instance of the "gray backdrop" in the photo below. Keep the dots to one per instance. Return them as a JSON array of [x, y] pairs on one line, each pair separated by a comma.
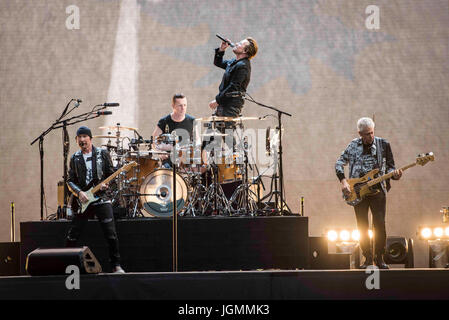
[[317, 60]]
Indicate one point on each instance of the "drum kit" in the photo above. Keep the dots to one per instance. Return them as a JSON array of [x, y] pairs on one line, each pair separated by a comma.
[[209, 180]]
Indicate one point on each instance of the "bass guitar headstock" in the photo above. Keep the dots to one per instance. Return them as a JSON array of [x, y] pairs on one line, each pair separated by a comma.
[[422, 159]]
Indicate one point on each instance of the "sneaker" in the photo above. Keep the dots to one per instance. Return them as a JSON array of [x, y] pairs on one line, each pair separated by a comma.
[[118, 269]]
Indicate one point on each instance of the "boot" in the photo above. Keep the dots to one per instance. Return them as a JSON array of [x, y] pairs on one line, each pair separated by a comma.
[[379, 261], [368, 262]]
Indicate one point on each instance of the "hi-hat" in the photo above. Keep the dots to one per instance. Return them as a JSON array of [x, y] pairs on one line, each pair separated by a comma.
[[118, 128]]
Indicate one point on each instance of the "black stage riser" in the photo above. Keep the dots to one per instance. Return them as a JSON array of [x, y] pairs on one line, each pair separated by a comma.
[[397, 284], [204, 243]]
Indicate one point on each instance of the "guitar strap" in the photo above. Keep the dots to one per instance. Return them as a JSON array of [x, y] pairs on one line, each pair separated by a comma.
[[99, 163], [382, 162]]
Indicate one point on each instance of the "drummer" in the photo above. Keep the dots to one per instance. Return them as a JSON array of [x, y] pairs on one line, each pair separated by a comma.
[[180, 122]]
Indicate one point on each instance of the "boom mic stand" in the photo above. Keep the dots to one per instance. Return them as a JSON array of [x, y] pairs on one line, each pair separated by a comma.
[[280, 203]]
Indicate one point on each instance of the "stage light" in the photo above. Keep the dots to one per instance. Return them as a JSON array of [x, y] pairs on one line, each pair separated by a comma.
[[344, 235], [426, 233], [438, 232], [433, 232], [446, 232], [332, 235], [355, 235]]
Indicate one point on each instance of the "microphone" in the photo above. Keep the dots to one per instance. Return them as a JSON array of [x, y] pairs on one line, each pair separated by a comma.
[[112, 104], [104, 113], [223, 39], [235, 94], [267, 142]]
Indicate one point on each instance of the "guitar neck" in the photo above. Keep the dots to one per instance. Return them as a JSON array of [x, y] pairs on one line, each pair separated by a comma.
[[107, 180], [389, 175]]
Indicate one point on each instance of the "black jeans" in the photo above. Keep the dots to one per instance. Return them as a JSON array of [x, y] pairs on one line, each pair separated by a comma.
[[377, 204], [105, 215]]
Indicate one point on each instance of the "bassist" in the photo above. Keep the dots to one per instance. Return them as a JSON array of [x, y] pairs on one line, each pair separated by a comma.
[[89, 166], [363, 155]]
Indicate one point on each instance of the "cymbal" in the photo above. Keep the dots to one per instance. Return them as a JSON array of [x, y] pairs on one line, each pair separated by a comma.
[[108, 146], [214, 134], [140, 153], [107, 137], [248, 118], [118, 128], [231, 119], [215, 118]]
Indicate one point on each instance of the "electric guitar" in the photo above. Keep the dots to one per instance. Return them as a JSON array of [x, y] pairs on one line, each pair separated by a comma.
[[361, 187], [90, 193]]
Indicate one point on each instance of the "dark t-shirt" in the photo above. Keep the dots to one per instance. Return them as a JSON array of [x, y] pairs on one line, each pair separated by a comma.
[[183, 129]]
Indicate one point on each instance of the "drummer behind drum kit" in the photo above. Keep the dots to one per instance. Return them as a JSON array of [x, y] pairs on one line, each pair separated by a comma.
[[207, 182]]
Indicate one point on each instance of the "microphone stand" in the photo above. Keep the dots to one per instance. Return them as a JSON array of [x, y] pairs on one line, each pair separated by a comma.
[[56, 125], [175, 215], [282, 202]]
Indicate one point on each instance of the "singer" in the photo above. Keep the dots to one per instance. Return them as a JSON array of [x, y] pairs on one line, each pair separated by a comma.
[[236, 77]]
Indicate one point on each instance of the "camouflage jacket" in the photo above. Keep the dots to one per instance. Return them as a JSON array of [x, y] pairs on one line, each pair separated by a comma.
[[381, 157]]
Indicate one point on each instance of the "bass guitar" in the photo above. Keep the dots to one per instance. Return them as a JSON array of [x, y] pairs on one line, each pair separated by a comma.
[[362, 187]]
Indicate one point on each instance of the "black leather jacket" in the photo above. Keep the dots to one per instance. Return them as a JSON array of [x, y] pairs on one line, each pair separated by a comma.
[[102, 168], [235, 78]]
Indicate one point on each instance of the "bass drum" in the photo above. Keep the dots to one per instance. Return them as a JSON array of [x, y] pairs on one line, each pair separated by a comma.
[[157, 195]]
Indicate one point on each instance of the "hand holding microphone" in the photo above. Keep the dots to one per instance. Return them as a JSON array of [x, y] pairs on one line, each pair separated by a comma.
[[225, 43]]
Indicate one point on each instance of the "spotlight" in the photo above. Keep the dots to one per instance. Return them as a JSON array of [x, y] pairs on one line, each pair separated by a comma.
[[332, 235], [434, 233], [344, 235], [438, 232], [355, 235], [370, 233], [426, 233]]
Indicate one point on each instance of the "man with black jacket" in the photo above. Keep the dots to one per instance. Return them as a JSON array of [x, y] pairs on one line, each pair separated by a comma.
[[92, 165], [235, 78], [364, 154]]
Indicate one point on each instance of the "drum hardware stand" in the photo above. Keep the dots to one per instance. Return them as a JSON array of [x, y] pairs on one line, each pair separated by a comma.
[[196, 197], [245, 204], [59, 123], [219, 201], [281, 204]]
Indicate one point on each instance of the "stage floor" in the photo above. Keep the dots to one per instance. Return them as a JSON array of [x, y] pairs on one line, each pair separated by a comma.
[[394, 284]]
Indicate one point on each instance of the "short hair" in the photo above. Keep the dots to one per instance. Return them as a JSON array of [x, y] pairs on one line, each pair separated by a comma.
[[365, 122], [251, 48], [177, 96]]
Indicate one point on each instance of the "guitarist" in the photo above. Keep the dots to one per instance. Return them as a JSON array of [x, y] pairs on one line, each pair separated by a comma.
[[363, 155], [89, 166]]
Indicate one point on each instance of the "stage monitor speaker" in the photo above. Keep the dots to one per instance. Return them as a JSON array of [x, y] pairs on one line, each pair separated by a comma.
[[9, 258], [55, 261], [320, 258]]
